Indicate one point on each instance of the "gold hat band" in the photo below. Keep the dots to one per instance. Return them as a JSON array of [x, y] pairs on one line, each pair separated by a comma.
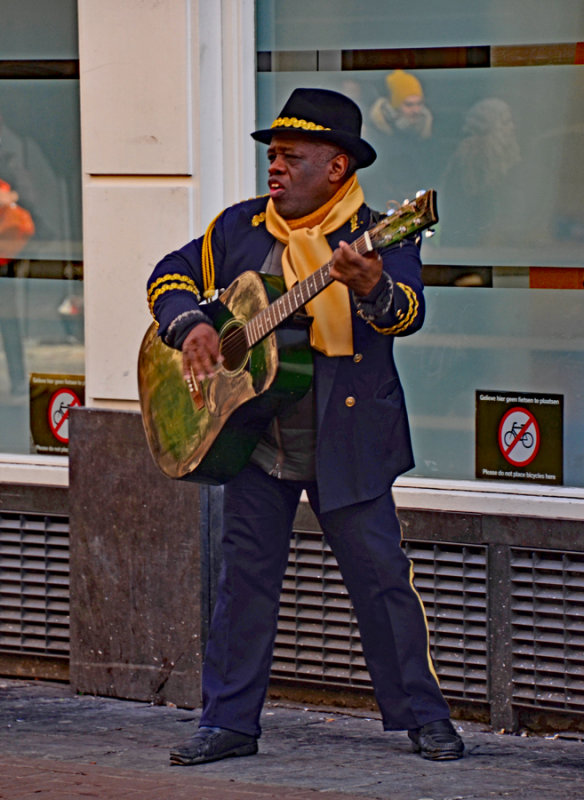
[[293, 122]]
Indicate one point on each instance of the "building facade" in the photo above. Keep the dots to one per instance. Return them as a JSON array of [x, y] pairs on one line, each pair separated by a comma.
[[123, 147]]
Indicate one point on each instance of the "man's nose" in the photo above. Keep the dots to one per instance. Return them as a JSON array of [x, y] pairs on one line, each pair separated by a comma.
[[276, 165]]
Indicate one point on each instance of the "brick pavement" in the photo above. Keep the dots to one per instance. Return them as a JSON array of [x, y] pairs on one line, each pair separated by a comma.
[[28, 778], [54, 744]]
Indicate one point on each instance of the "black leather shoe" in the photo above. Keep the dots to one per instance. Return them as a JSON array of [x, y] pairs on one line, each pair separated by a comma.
[[213, 744], [437, 741]]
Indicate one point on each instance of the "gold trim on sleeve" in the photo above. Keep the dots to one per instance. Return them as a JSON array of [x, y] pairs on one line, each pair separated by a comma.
[[411, 314], [167, 287], [207, 260], [174, 276]]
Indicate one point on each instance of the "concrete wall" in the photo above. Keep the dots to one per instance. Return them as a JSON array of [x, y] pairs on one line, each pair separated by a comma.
[[167, 87], [135, 567]]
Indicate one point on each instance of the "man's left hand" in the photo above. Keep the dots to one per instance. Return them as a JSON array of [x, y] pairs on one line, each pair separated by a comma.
[[360, 273]]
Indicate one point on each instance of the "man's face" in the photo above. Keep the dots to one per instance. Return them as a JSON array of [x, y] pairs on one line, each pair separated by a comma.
[[299, 175], [412, 106]]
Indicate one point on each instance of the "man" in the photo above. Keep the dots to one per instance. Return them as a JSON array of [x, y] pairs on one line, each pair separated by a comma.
[[402, 132], [343, 443], [404, 108]]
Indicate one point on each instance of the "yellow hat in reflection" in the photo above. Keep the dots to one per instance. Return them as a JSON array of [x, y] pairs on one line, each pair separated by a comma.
[[401, 85]]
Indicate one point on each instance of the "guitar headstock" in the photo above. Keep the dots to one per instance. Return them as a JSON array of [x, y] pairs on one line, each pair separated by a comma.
[[411, 217]]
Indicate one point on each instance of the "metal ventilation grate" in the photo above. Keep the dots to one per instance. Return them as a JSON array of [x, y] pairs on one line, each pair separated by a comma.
[[452, 582], [547, 597], [34, 584], [318, 638]]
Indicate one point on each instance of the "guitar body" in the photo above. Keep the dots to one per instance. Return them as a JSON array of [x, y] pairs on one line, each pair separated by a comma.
[[213, 442]]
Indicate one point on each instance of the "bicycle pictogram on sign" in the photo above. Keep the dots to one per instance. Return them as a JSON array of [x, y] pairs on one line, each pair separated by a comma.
[[519, 436], [58, 413]]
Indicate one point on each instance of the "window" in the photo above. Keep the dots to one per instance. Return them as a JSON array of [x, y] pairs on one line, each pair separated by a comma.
[[41, 300], [502, 83]]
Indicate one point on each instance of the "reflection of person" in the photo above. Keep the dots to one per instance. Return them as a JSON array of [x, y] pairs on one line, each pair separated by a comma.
[[403, 126], [14, 171], [343, 443], [404, 110], [479, 174], [12, 232], [16, 227]]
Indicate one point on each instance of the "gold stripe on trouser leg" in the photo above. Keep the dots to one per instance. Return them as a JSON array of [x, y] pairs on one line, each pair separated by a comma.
[[415, 591]]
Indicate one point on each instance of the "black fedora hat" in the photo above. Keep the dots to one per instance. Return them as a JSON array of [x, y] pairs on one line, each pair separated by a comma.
[[325, 115]]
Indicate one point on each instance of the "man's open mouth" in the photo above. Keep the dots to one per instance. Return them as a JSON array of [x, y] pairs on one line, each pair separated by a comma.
[[275, 188]]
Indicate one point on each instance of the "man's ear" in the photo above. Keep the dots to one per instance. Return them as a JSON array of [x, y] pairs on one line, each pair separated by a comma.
[[338, 167]]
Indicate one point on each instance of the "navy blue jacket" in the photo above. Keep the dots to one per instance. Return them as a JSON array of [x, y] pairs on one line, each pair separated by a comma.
[[363, 439]]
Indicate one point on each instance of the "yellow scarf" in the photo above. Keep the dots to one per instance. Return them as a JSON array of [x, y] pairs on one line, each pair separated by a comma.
[[306, 250]]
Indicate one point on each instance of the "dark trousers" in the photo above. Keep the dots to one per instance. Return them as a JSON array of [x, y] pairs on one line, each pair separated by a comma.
[[365, 539]]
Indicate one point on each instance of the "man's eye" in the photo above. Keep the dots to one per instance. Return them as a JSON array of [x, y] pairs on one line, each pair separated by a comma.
[[283, 156]]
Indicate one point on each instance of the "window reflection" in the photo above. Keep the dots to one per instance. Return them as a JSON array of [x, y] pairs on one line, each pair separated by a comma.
[[400, 129], [526, 341], [505, 154], [483, 169], [41, 298], [40, 157], [417, 23]]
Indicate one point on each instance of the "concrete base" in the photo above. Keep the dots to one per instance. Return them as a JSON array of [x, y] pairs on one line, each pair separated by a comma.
[[135, 567]]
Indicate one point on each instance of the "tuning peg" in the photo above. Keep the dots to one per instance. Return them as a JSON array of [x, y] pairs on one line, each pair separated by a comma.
[[429, 233], [420, 193], [405, 202]]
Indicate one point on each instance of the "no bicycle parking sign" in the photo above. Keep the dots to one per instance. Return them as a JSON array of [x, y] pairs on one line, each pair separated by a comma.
[[51, 399], [519, 436]]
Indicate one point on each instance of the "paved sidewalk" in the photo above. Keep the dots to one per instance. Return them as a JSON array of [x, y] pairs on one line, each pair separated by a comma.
[[54, 744]]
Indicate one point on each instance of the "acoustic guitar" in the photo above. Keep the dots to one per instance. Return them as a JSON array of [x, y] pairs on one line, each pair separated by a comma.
[[207, 432]]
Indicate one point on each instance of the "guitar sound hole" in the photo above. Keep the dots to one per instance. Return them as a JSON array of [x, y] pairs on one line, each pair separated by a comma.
[[234, 350]]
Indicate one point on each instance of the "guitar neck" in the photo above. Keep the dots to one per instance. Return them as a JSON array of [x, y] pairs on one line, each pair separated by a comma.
[[412, 217], [301, 293]]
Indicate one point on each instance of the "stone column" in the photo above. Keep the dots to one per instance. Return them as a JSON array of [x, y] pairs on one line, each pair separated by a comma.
[[135, 566]]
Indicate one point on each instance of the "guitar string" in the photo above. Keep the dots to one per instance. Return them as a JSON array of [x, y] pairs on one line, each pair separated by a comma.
[[264, 318]]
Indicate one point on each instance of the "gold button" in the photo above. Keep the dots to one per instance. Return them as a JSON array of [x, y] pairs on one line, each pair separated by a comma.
[[357, 357], [350, 401]]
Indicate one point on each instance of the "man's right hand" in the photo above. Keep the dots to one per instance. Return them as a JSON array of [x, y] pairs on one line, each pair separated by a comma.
[[200, 352]]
